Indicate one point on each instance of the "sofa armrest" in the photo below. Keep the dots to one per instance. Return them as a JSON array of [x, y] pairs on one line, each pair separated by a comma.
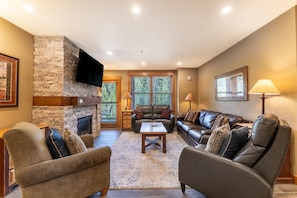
[[88, 140], [216, 176], [206, 131], [180, 117], [63, 166]]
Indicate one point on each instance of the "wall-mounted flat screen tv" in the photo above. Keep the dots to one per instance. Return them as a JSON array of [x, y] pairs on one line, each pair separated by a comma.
[[89, 70]]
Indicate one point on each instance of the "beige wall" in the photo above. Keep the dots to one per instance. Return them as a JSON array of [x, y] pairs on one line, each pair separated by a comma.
[[124, 83], [19, 44], [185, 86], [269, 53]]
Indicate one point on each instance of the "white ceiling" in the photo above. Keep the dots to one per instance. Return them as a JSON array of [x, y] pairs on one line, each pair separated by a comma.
[[163, 33]]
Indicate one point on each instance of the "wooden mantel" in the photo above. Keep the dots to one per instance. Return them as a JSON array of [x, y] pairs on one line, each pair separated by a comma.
[[65, 101]]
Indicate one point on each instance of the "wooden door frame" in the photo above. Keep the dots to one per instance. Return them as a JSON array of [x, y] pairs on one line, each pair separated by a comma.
[[117, 80]]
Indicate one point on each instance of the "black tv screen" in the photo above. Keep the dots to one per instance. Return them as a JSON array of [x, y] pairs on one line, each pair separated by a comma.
[[89, 70]]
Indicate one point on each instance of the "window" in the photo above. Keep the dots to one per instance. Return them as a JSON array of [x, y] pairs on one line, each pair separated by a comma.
[[152, 88]]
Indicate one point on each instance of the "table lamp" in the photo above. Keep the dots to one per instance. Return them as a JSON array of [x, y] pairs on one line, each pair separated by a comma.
[[189, 98], [127, 96]]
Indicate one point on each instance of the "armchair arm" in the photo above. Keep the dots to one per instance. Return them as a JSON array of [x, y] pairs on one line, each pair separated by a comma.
[[216, 176], [63, 166], [88, 140]]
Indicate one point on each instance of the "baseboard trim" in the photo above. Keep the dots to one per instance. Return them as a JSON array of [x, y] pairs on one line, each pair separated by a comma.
[[295, 179]]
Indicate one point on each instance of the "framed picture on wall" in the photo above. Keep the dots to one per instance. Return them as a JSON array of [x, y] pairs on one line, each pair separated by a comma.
[[232, 85], [8, 81]]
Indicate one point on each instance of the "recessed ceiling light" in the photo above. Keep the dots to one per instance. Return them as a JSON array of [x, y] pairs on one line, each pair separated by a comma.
[[143, 63], [178, 63], [136, 9], [110, 53], [226, 10], [28, 7]]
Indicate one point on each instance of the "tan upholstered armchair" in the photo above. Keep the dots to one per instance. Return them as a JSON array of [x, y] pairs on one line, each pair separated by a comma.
[[38, 175], [253, 170]]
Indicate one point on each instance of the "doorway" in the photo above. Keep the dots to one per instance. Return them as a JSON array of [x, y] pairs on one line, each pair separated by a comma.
[[111, 102]]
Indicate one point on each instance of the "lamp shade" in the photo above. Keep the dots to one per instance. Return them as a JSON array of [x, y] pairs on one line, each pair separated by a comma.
[[127, 95], [189, 97], [264, 86]]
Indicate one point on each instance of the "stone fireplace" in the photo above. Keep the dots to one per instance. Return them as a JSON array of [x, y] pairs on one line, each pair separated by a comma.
[[59, 100]]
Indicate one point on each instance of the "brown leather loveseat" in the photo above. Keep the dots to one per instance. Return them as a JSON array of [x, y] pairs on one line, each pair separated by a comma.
[[153, 113]]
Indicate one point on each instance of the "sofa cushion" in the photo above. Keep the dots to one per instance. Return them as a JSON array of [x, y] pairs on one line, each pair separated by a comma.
[[216, 138], [139, 114], [165, 114], [234, 142], [195, 134], [207, 118], [147, 110], [157, 110], [56, 144], [219, 121], [189, 125], [74, 142]]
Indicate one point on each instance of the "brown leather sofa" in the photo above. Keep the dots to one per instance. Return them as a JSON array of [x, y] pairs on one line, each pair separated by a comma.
[[198, 129], [252, 171], [153, 113]]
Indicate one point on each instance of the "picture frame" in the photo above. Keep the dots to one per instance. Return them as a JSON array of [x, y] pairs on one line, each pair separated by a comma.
[[232, 85], [9, 69]]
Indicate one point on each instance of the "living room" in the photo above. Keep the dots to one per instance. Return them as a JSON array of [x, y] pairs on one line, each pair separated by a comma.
[[270, 52]]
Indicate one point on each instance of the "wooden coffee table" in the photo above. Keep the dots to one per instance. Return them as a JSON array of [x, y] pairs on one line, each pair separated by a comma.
[[153, 129]]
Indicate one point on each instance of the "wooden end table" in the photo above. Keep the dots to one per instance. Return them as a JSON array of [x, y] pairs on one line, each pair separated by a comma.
[[149, 129]]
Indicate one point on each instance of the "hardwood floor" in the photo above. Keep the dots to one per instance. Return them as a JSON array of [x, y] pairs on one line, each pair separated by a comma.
[[107, 137]]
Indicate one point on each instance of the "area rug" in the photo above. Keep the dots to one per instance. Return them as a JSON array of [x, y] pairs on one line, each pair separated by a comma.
[[132, 169]]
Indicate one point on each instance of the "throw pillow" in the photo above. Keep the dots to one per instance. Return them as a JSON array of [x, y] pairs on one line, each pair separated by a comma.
[[219, 121], [195, 117], [216, 138], [190, 115], [139, 114], [56, 144], [234, 142], [74, 142], [165, 114]]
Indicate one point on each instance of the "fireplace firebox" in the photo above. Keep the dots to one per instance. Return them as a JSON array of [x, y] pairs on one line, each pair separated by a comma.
[[84, 125]]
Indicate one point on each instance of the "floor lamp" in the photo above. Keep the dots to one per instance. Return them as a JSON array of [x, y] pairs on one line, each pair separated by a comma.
[[264, 87], [189, 98], [127, 96]]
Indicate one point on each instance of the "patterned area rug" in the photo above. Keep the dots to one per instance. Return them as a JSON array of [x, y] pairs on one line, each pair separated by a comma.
[[131, 169]]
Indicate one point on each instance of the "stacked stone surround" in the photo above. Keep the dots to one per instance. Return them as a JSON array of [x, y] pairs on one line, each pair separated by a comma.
[[55, 59]]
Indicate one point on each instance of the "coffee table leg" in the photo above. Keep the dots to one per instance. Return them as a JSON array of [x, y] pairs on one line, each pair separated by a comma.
[[164, 143], [143, 143]]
